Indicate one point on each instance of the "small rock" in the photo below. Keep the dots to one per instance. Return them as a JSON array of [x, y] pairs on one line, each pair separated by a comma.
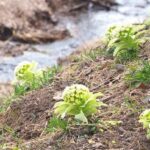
[[147, 99], [58, 96], [120, 67], [97, 145]]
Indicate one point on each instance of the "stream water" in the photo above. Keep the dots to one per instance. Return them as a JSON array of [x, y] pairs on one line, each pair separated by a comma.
[[83, 28]]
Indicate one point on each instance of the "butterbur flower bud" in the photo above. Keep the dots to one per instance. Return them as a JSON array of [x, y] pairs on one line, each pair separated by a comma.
[[24, 68], [76, 94], [145, 120], [79, 102]]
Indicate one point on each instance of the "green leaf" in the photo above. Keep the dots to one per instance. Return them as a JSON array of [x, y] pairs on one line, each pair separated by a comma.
[[56, 123], [90, 107], [99, 94], [81, 117], [78, 102], [67, 110], [60, 108], [60, 104]]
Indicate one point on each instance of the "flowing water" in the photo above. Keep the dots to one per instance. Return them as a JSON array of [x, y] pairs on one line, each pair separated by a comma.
[[83, 28]]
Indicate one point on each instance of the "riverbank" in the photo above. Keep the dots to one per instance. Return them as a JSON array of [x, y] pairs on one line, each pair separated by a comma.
[[27, 116], [23, 124], [84, 23]]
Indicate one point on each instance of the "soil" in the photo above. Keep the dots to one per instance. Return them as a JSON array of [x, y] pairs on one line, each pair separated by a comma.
[[28, 115], [5, 90]]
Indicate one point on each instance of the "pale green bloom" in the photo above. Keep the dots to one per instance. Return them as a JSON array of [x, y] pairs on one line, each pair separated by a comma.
[[25, 70], [78, 101], [76, 93], [145, 120]]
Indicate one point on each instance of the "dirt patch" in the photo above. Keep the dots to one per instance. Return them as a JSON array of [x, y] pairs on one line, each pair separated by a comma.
[[28, 116], [5, 90], [146, 50]]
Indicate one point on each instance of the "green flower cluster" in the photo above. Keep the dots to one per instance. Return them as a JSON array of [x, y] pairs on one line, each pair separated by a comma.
[[145, 120], [78, 101], [25, 71], [27, 77], [76, 94]]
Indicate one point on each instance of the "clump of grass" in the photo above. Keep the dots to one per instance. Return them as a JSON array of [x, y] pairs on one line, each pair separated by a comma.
[[138, 74], [132, 105], [55, 124], [6, 103], [5, 132], [124, 42], [6, 147], [93, 54]]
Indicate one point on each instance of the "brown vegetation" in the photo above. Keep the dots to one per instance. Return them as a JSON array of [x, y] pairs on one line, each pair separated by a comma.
[[28, 115]]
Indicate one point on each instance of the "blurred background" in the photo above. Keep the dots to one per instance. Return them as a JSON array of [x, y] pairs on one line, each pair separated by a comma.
[[46, 31]]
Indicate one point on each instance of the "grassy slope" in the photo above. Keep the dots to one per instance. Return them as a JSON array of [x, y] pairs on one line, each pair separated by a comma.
[[24, 122]]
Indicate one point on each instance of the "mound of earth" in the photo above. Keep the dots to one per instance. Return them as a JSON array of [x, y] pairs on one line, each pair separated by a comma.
[[38, 21], [5, 90], [28, 115]]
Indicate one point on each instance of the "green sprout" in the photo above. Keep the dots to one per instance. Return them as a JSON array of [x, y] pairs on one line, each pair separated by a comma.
[[138, 73], [56, 123], [145, 120], [79, 102]]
